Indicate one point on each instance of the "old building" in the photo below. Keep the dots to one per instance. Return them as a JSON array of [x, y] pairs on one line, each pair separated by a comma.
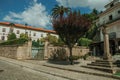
[[111, 18], [33, 33]]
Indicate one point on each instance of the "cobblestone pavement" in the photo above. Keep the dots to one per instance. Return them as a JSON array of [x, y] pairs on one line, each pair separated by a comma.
[[14, 72], [39, 68]]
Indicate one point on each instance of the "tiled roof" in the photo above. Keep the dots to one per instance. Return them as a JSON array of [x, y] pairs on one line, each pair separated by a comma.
[[28, 27]]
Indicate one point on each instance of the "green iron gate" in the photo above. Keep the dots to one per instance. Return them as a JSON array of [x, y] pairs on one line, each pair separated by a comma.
[[38, 52]]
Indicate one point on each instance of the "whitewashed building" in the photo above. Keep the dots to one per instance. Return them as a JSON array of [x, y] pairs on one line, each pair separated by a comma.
[[110, 17], [33, 33]]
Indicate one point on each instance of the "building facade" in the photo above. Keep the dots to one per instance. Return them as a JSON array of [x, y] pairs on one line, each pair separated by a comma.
[[111, 18], [33, 33]]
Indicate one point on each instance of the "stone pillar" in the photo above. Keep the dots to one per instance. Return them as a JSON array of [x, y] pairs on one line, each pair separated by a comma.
[[106, 44], [46, 49], [29, 55]]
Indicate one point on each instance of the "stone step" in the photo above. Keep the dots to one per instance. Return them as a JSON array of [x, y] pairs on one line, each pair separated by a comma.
[[103, 61], [107, 63], [102, 65], [105, 69]]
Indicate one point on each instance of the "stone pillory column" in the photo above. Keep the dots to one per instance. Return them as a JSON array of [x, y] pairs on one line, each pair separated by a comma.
[[106, 44], [107, 55]]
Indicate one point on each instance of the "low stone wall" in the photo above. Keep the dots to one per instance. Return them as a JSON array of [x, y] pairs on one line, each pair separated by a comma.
[[77, 51], [16, 51]]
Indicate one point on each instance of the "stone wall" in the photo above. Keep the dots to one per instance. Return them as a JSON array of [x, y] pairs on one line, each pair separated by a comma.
[[16, 51], [77, 51]]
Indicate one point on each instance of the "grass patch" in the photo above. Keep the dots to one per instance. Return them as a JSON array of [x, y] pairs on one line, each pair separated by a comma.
[[117, 74]]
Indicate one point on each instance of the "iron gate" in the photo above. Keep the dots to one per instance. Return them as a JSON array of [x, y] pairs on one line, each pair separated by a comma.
[[38, 53]]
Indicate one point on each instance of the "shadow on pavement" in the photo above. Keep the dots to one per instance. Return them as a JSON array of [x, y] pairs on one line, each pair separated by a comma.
[[1, 70], [61, 62]]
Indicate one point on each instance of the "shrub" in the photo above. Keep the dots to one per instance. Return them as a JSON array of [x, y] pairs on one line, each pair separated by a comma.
[[11, 36], [59, 55], [25, 36], [14, 42]]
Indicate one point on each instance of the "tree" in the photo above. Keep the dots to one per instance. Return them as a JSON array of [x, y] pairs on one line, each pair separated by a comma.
[[25, 36], [11, 36], [95, 11], [59, 11], [94, 29], [84, 42], [70, 28], [52, 39]]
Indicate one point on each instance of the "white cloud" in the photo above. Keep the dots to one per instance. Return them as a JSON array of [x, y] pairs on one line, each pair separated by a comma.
[[34, 15], [98, 4]]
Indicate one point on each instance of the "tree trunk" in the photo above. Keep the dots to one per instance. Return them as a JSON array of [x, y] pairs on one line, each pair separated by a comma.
[[71, 60]]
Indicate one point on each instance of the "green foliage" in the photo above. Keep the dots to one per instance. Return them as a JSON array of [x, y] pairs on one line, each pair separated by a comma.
[[117, 74], [84, 42], [14, 42], [94, 29], [25, 36], [92, 32], [35, 44], [59, 42], [93, 15], [59, 54], [59, 11], [52, 39], [74, 57], [11, 36]]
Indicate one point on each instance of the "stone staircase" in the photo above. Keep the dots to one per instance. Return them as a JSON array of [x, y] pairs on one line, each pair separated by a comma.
[[102, 65]]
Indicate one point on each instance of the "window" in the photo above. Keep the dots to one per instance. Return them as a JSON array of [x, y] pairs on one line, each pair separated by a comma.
[[110, 17], [18, 32], [2, 37], [34, 34], [41, 35], [118, 11], [112, 5], [3, 30], [26, 33]]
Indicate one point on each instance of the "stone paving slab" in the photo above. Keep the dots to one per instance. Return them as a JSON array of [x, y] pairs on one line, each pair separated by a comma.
[[56, 72], [14, 72], [74, 68]]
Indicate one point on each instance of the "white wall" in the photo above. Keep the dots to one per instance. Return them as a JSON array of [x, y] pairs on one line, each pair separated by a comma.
[[114, 28], [39, 34], [105, 17], [4, 33]]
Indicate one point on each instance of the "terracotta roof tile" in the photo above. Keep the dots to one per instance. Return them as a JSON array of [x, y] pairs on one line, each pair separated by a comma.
[[28, 27]]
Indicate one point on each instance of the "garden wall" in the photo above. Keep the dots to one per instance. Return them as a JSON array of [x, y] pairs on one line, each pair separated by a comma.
[[16, 51], [77, 51]]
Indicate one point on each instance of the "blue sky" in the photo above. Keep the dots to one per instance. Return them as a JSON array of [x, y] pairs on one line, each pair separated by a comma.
[[37, 12]]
